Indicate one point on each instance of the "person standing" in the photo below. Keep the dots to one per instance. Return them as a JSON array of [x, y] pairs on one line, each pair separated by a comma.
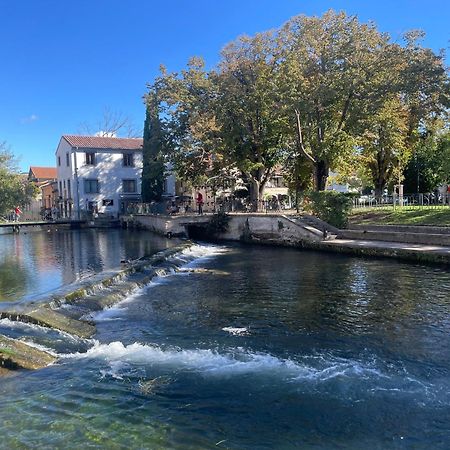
[[199, 201], [17, 213]]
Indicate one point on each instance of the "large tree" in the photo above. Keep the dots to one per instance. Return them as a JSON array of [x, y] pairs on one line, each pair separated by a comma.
[[429, 166], [383, 144], [327, 68], [327, 90], [154, 149], [187, 101], [407, 101], [251, 125]]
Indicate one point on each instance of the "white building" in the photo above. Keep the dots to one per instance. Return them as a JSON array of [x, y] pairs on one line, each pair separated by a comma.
[[98, 174]]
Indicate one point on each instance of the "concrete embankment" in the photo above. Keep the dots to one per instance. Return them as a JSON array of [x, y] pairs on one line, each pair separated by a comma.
[[427, 235], [276, 228], [70, 310], [417, 244]]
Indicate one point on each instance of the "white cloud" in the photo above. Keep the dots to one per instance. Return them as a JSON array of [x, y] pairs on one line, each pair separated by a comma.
[[29, 119]]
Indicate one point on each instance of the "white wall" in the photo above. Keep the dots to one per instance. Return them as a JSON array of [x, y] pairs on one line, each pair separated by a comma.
[[108, 170]]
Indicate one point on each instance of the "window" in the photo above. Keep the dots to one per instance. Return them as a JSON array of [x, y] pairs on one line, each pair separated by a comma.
[[90, 158], [68, 189], [59, 160], [60, 189], [107, 202], [128, 160], [67, 159], [129, 186], [91, 186]]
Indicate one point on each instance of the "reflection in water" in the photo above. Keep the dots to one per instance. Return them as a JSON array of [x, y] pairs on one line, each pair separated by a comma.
[[33, 263], [14, 278]]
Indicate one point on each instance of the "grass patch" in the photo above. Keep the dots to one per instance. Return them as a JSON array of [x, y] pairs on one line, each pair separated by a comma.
[[431, 216]]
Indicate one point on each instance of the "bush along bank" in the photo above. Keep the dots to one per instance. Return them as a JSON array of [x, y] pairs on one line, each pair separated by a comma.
[[330, 206]]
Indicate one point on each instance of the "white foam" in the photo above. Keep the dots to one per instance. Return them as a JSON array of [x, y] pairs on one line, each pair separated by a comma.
[[235, 331], [116, 311], [188, 257], [199, 253], [233, 363], [40, 347], [17, 324]]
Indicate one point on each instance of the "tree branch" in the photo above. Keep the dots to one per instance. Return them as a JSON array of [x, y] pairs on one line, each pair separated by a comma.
[[345, 111], [301, 146]]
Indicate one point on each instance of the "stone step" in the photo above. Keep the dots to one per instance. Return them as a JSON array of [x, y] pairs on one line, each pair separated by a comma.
[[46, 317], [422, 229], [16, 355], [397, 236]]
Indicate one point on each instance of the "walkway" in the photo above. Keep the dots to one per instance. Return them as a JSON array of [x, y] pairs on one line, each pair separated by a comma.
[[38, 223], [412, 252]]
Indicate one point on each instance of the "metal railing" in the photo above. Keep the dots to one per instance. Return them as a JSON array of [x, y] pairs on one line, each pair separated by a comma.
[[176, 207], [428, 200]]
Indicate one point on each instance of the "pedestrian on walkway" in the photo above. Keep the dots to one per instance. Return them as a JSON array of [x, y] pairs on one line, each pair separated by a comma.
[[17, 213], [199, 201]]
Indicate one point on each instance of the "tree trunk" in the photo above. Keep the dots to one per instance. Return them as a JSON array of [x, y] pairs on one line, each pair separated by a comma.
[[379, 188], [321, 171], [255, 195]]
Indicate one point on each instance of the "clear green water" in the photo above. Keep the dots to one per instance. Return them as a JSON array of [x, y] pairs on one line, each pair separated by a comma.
[[273, 348]]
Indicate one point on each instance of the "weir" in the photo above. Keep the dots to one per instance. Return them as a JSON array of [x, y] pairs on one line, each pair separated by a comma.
[[71, 312]]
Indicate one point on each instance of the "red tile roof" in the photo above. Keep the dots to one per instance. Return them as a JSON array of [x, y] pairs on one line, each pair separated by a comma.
[[104, 142], [43, 173]]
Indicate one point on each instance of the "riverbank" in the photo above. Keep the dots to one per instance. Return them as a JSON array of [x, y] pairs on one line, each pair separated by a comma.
[[303, 231]]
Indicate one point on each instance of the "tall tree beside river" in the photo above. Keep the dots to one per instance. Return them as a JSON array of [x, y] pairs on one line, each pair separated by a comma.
[[153, 151], [407, 106], [327, 70], [327, 90]]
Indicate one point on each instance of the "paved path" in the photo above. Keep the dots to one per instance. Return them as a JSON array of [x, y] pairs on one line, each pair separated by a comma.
[[414, 252], [39, 223]]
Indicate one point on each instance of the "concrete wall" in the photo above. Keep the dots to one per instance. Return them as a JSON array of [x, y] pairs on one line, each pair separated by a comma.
[[266, 229], [423, 237]]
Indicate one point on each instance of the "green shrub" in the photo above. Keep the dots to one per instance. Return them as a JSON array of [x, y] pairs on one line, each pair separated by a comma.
[[218, 223], [330, 206]]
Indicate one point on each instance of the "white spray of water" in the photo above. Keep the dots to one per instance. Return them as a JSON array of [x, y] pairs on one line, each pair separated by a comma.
[[236, 331], [234, 362]]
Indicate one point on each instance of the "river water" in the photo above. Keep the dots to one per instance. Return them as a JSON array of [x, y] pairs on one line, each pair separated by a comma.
[[269, 349]]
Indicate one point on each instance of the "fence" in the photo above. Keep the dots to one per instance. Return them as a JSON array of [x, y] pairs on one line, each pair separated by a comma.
[[180, 206], [429, 200]]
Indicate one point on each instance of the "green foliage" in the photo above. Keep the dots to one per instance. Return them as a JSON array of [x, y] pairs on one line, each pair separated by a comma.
[[384, 149], [218, 223], [330, 206], [14, 190], [318, 94], [429, 167], [153, 152]]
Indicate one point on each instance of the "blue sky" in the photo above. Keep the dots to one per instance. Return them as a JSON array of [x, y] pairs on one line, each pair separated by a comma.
[[63, 62]]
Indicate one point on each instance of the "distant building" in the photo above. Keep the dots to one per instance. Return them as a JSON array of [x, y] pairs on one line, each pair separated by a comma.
[[45, 180], [98, 174]]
